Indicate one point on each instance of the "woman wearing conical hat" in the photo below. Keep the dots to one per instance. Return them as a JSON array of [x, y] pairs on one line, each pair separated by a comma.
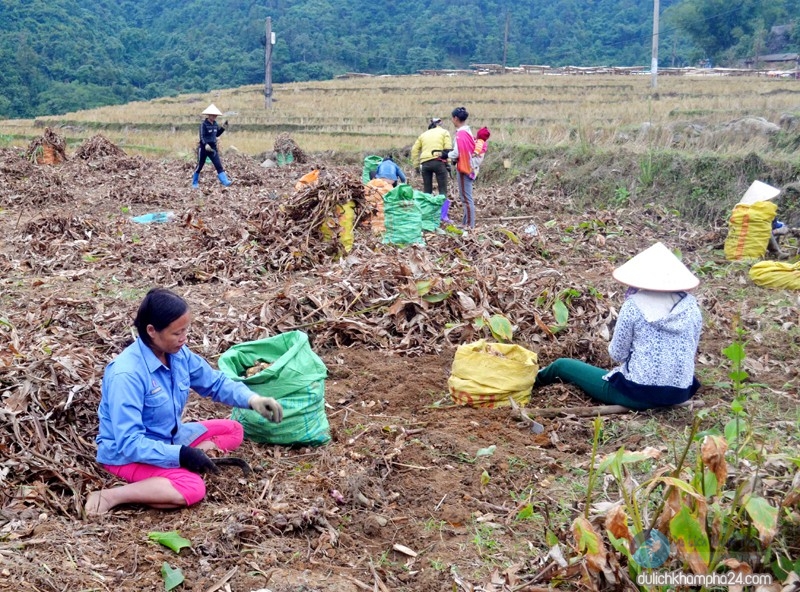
[[655, 339], [210, 130]]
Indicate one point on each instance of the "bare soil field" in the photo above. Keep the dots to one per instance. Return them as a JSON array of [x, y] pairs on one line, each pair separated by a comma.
[[400, 499]]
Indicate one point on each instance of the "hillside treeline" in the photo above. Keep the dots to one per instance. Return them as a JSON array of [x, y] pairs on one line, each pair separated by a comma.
[[63, 55]]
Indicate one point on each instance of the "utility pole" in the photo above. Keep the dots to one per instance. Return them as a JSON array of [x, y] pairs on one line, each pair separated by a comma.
[[505, 43], [654, 62], [270, 41]]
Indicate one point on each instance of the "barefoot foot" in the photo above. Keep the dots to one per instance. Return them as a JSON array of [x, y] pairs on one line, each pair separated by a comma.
[[97, 503]]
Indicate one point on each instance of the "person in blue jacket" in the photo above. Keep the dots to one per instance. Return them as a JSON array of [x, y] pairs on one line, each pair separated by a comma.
[[210, 130], [142, 438], [389, 171]]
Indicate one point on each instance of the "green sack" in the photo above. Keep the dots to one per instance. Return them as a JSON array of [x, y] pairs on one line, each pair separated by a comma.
[[370, 166], [296, 377], [284, 158], [430, 207], [403, 217]]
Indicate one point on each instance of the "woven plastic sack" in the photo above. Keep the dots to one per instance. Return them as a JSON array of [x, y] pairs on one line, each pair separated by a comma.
[[490, 374], [341, 226], [296, 377], [776, 274], [749, 230], [370, 166], [373, 195], [430, 207], [306, 180], [403, 217]]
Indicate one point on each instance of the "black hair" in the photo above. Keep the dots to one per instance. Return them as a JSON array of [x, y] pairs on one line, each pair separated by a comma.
[[159, 308], [460, 113]]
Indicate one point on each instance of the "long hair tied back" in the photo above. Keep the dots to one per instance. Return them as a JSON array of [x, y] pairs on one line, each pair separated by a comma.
[[159, 308], [460, 113]]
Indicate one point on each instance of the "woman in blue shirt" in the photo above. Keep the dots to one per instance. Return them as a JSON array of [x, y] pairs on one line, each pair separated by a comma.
[[389, 171], [142, 439]]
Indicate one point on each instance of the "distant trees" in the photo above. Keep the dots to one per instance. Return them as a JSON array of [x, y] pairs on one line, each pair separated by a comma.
[[63, 55], [727, 31]]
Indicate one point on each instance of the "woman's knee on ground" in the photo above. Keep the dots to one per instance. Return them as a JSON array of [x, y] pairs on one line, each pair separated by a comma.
[[190, 485]]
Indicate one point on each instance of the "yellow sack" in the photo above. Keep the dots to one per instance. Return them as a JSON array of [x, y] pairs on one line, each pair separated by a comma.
[[342, 226], [749, 229], [373, 194], [776, 274], [489, 374]]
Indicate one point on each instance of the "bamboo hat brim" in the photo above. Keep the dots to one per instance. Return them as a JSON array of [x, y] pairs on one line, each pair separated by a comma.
[[212, 110], [758, 191], [656, 269]]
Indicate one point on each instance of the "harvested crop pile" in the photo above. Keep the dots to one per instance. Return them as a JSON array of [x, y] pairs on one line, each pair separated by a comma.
[[284, 144], [47, 149], [313, 203], [98, 147]]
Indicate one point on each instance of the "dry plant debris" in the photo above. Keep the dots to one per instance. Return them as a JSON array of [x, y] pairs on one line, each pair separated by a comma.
[[98, 147], [50, 148], [386, 320], [284, 144]]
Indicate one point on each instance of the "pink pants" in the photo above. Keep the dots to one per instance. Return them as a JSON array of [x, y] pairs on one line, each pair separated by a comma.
[[225, 433]]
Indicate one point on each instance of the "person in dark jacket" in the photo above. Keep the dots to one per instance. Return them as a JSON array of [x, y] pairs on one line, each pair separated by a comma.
[[655, 339], [210, 130], [388, 170]]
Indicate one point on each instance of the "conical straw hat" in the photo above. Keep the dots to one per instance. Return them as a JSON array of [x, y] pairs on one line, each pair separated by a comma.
[[212, 110], [656, 269], [758, 191]]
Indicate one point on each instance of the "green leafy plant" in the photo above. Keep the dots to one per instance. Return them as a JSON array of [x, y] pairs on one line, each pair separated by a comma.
[[646, 170], [501, 328], [698, 507], [172, 540], [172, 576], [621, 197], [737, 428]]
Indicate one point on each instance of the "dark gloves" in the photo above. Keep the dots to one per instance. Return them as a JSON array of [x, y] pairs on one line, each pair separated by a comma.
[[225, 124], [196, 460], [210, 149], [266, 407]]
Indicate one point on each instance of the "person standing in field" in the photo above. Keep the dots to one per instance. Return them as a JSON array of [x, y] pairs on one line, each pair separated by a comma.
[[461, 154], [429, 153], [210, 130]]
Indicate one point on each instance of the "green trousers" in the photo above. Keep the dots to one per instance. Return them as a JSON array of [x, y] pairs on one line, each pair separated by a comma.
[[589, 379]]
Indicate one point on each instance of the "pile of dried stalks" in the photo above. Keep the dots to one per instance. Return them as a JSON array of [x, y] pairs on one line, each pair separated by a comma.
[[98, 147], [50, 148], [284, 144]]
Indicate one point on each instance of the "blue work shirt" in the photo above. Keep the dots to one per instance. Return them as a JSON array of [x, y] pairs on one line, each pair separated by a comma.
[[142, 403], [388, 170]]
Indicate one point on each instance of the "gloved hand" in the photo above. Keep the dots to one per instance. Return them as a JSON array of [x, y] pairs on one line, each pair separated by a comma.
[[266, 407], [196, 460], [209, 149], [225, 124]]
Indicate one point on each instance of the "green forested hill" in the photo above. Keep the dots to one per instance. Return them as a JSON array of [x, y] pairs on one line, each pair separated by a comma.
[[63, 55]]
